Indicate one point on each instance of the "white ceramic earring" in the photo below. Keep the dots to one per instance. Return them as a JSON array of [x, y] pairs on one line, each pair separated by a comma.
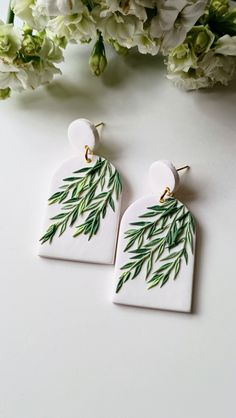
[[155, 255], [83, 210]]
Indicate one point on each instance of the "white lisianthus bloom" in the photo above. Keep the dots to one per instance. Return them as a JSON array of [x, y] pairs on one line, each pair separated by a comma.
[[219, 68], [27, 72], [131, 7], [174, 20], [226, 45], [59, 7], [24, 10], [120, 28], [212, 69], [10, 41], [194, 82], [145, 44], [77, 27], [12, 77], [50, 52], [181, 58], [26, 76]]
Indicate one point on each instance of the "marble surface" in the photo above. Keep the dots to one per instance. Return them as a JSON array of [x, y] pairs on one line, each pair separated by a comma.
[[66, 350]]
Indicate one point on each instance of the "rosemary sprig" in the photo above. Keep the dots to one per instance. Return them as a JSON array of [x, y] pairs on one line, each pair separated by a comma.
[[172, 229], [90, 190]]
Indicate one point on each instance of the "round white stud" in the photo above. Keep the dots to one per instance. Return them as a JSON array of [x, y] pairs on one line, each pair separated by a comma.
[[82, 132], [163, 174]]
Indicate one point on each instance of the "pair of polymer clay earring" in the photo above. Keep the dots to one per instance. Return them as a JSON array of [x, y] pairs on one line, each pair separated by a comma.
[[156, 244]]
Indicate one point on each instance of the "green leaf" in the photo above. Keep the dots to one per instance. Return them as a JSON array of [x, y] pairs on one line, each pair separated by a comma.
[[130, 232], [111, 203], [163, 268], [71, 179], [130, 244], [177, 267], [164, 280], [78, 230], [56, 197], [148, 215], [155, 281], [83, 170], [74, 216], [51, 231], [100, 196], [185, 255], [169, 257], [59, 216], [149, 265], [139, 223], [63, 228], [137, 270], [127, 266], [139, 251]]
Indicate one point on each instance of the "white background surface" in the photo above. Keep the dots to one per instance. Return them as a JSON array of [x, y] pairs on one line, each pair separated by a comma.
[[66, 351]]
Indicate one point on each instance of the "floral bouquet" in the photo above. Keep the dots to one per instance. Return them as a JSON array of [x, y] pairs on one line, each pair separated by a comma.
[[196, 37]]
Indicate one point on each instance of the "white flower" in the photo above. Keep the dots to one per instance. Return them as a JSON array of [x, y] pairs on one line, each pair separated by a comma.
[[174, 20], [181, 58], [185, 81], [59, 7], [145, 44], [219, 68], [120, 28], [226, 45], [211, 69], [10, 41], [24, 10], [29, 72], [130, 7], [13, 77], [77, 27]]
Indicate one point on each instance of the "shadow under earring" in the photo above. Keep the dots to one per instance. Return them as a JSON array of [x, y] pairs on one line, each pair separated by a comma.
[[83, 210], [156, 247]]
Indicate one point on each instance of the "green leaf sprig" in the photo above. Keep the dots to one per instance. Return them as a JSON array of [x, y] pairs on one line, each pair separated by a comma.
[[172, 230], [90, 191]]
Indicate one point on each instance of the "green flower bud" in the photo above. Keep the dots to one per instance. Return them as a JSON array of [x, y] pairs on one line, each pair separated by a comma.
[[31, 45], [97, 64], [97, 60], [5, 93], [219, 7], [201, 39]]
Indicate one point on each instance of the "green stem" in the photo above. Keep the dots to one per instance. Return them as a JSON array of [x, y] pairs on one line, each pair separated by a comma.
[[10, 15], [90, 4]]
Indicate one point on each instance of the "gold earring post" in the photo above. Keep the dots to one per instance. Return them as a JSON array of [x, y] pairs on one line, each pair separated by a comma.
[[183, 168], [99, 124]]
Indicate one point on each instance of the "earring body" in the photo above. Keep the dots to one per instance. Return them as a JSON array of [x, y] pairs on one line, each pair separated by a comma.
[[156, 247], [82, 216]]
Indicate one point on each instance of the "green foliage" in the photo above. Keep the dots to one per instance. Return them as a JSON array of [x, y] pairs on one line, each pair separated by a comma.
[[89, 191], [220, 19], [169, 228]]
